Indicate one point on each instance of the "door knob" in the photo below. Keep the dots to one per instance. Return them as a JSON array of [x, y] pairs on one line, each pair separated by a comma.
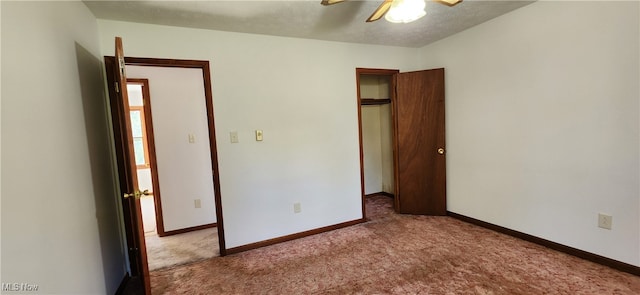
[[137, 194], [441, 151]]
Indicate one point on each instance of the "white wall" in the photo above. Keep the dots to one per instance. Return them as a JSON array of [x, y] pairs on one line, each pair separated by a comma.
[[184, 169], [302, 94], [61, 232], [371, 148], [147, 205], [542, 131], [386, 143], [542, 123], [145, 182], [374, 86], [371, 139], [377, 148]]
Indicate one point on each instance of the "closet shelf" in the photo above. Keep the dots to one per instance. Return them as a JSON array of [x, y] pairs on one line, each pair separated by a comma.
[[374, 101]]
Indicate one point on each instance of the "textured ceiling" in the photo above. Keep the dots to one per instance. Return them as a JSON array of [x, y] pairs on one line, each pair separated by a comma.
[[344, 22]]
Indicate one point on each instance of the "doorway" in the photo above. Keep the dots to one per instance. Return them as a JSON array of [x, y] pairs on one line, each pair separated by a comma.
[[194, 241], [115, 70], [412, 166], [144, 154], [179, 144], [376, 128]]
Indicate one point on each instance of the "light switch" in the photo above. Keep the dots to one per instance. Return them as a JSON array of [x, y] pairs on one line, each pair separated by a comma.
[[234, 136], [192, 138], [258, 135]]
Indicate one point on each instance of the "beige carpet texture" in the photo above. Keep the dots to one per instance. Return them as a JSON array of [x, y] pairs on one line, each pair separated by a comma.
[[397, 254], [182, 248]]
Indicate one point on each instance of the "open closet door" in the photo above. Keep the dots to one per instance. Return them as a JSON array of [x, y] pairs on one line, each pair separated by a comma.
[[420, 150], [132, 213]]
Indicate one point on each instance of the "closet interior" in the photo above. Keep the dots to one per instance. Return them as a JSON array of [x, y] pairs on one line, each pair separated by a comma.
[[377, 133]]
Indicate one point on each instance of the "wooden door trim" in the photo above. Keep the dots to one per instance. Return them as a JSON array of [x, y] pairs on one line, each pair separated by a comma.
[[206, 75], [380, 72], [619, 265], [166, 62], [189, 229], [151, 148], [295, 236]]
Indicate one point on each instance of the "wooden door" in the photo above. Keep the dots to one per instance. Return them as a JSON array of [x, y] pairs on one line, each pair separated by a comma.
[[420, 147], [117, 80]]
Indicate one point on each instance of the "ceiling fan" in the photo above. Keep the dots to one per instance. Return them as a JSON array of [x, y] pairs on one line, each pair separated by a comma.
[[389, 4]]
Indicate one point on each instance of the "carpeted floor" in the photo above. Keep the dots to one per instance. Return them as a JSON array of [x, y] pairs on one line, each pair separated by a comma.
[[182, 248], [397, 254]]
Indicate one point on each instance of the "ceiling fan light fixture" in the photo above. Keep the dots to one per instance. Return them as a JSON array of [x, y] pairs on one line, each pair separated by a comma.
[[405, 11], [449, 2], [330, 2]]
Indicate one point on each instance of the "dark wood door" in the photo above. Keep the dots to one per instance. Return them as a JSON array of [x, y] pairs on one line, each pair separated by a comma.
[[420, 147], [117, 80]]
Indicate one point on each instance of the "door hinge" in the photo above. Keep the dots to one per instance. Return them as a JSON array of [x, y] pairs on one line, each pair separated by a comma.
[[117, 87], [122, 65]]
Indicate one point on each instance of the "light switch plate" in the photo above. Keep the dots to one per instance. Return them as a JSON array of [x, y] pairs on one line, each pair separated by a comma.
[[234, 136], [258, 135]]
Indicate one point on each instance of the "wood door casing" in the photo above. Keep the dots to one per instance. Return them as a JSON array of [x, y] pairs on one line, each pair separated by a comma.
[[206, 76], [420, 131]]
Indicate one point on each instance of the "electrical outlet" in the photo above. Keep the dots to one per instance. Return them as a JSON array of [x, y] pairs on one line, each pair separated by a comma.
[[197, 203], [605, 221], [297, 208]]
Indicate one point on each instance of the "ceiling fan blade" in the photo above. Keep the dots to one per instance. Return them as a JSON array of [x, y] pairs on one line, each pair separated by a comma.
[[448, 2], [381, 11], [330, 2]]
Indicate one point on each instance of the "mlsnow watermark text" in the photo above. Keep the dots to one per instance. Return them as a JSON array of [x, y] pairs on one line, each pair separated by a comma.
[[19, 287]]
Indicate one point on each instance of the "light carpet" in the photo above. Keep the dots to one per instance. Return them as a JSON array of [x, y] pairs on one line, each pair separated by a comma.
[[183, 248], [397, 254]]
